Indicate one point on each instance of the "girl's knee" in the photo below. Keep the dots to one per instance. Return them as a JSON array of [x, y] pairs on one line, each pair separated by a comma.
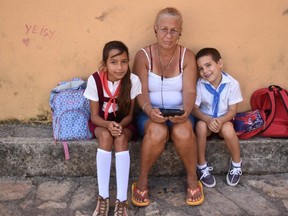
[[121, 147], [105, 140], [121, 142], [104, 135]]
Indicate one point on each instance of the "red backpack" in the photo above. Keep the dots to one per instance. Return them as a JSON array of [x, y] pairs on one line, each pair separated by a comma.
[[273, 101]]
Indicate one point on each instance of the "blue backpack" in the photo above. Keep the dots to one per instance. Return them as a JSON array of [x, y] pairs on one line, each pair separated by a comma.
[[70, 112]]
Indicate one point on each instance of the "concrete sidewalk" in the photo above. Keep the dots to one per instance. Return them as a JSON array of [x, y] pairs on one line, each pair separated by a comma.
[[36, 180], [255, 195]]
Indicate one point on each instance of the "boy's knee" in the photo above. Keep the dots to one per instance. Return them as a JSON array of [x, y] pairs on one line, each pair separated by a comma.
[[227, 127], [201, 128]]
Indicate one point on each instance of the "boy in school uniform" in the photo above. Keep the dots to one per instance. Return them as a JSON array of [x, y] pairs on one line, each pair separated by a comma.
[[218, 94]]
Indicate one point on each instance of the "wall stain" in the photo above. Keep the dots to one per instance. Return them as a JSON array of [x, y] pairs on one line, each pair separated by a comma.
[[102, 16], [3, 35], [2, 83], [285, 12]]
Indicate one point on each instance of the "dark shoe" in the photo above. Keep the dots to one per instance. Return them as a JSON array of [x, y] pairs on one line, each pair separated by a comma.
[[102, 207], [233, 175], [121, 208], [205, 176]]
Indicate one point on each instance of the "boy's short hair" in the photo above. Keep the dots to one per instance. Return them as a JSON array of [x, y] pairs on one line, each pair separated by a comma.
[[214, 53]]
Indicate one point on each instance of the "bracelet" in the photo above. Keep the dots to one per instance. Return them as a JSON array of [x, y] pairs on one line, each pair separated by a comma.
[[144, 106]]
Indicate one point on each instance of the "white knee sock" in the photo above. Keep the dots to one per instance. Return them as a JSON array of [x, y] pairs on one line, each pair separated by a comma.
[[122, 160], [103, 160]]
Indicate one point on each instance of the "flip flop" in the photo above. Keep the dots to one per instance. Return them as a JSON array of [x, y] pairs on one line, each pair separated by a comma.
[[140, 193], [192, 192]]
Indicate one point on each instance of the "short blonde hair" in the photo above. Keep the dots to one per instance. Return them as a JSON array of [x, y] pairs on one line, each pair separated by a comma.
[[169, 11]]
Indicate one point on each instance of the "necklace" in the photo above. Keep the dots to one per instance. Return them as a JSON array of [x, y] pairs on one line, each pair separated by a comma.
[[163, 70], [164, 67]]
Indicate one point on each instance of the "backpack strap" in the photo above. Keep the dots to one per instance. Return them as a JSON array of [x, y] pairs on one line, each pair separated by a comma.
[[66, 150], [270, 118], [283, 95]]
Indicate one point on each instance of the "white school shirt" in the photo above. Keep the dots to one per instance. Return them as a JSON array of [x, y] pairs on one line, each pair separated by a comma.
[[91, 91], [230, 95]]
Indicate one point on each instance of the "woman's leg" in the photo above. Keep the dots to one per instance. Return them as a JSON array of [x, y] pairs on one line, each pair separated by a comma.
[[152, 146], [185, 143]]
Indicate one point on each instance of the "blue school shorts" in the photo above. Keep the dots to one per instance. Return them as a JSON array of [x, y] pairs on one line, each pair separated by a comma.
[[141, 118]]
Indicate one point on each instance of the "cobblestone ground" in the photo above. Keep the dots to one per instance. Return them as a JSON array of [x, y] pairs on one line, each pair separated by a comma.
[[45, 196]]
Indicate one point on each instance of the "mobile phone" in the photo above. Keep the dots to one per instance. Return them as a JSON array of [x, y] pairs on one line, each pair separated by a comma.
[[171, 112]]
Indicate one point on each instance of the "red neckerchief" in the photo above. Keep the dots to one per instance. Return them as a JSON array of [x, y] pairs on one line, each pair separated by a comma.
[[104, 80]]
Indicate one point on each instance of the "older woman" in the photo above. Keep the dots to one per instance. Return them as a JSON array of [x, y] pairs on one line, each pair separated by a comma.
[[168, 74]]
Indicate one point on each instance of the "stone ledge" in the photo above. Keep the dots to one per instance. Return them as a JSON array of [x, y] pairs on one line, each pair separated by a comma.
[[31, 151]]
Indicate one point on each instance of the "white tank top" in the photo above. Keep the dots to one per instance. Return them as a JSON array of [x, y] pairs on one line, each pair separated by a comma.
[[166, 92]]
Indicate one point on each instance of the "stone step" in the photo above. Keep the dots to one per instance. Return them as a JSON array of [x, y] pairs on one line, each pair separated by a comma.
[[29, 150]]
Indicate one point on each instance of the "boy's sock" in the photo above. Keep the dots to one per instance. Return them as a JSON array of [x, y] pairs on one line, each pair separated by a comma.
[[103, 160], [202, 166], [122, 160], [237, 164]]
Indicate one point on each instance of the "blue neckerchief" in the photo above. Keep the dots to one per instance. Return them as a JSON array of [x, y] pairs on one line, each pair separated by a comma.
[[215, 104]]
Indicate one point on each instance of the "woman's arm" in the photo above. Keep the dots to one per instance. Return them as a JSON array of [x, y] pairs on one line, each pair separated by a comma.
[[189, 81], [140, 68]]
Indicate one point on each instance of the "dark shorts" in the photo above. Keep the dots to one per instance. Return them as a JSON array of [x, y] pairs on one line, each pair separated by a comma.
[[141, 119]]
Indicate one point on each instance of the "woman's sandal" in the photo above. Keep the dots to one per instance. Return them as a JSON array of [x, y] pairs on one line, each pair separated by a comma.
[[193, 192], [144, 201]]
